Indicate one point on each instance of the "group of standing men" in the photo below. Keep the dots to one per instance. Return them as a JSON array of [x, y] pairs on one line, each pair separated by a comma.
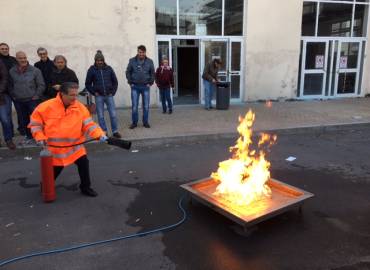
[[26, 86]]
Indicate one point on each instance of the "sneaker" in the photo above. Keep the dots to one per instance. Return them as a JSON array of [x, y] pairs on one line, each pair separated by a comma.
[[117, 135], [10, 145], [89, 192], [132, 126], [146, 125]]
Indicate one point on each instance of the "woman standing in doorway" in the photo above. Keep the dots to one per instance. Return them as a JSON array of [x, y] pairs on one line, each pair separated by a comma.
[[164, 81]]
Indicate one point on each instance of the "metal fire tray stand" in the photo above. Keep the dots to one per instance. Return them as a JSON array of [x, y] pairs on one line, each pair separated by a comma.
[[284, 198]]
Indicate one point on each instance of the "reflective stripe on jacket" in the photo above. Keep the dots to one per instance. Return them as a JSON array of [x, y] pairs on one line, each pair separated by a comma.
[[61, 126]]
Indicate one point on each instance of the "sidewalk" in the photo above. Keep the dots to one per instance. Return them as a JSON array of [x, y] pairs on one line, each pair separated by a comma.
[[194, 120]]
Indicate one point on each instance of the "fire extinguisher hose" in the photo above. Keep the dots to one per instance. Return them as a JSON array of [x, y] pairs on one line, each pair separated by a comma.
[[71, 145], [101, 242], [111, 141]]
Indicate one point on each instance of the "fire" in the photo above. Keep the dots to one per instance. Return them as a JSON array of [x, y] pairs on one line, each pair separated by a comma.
[[243, 178]]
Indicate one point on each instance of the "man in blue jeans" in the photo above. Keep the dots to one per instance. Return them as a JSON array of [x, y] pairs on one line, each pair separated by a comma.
[[26, 90], [140, 76], [210, 78], [5, 108], [101, 81]]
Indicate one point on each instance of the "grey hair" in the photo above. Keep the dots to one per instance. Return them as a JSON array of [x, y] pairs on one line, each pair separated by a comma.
[[41, 49], [60, 56]]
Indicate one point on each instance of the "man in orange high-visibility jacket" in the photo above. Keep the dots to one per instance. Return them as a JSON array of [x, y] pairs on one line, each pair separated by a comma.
[[65, 121]]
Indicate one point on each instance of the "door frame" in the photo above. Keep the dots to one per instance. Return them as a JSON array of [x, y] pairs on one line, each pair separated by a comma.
[[203, 64], [228, 39], [156, 62], [333, 80], [177, 78], [357, 70], [305, 71], [242, 66]]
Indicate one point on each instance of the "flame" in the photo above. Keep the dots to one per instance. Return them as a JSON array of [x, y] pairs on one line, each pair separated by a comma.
[[243, 178]]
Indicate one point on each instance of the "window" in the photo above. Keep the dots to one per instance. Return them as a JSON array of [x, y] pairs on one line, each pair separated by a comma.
[[233, 18], [335, 20], [309, 18], [166, 17], [326, 19], [359, 24], [199, 17]]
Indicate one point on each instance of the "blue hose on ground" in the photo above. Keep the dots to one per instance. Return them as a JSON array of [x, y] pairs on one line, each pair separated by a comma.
[[62, 250]]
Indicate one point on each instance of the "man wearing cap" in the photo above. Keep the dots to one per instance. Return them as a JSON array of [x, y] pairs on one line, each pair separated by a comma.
[[101, 82]]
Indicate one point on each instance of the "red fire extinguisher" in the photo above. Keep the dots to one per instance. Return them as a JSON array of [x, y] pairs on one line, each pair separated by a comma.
[[47, 176]]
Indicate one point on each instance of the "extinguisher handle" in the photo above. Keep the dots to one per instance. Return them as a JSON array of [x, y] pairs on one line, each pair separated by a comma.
[[41, 143]]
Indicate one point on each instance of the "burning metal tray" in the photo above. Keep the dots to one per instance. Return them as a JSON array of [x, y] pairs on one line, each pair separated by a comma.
[[284, 197]]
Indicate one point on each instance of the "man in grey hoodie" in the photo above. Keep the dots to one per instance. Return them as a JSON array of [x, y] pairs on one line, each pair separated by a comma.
[[27, 89]]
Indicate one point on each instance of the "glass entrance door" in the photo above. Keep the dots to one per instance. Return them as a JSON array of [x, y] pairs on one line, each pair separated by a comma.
[[347, 68], [331, 68], [210, 50], [235, 68], [314, 66]]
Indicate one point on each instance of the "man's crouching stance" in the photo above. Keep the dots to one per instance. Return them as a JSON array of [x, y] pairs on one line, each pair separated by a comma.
[[64, 121]]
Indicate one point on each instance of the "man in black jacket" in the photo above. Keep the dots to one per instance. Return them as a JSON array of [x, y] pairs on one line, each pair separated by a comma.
[[6, 108], [45, 65], [61, 74], [140, 76], [10, 62]]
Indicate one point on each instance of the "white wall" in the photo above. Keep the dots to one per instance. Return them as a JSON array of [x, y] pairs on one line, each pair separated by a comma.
[[77, 28], [366, 67], [273, 31]]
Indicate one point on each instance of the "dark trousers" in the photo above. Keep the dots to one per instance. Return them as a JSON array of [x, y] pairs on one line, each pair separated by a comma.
[[166, 97], [26, 109], [20, 128], [83, 170]]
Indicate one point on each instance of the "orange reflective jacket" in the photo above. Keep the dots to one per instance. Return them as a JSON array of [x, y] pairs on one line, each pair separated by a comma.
[[58, 125]]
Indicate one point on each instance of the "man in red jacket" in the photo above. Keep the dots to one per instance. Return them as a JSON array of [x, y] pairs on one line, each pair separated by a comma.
[[164, 81]]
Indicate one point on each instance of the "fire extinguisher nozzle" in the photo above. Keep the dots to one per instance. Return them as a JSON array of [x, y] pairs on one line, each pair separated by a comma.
[[119, 143]]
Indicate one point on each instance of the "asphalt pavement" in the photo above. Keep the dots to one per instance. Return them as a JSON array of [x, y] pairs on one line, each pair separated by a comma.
[[139, 190]]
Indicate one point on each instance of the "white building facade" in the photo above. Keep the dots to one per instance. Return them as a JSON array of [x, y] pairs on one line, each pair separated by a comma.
[[289, 49]]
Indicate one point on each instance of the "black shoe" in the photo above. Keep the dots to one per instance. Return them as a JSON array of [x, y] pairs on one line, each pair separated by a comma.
[[132, 126], [146, 125], [10, 144], [89, 192], [117, 135], [170, 112], [163, 112]]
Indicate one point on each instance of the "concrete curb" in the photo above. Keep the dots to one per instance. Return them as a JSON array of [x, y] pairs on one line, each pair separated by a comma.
[[137, 143]]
